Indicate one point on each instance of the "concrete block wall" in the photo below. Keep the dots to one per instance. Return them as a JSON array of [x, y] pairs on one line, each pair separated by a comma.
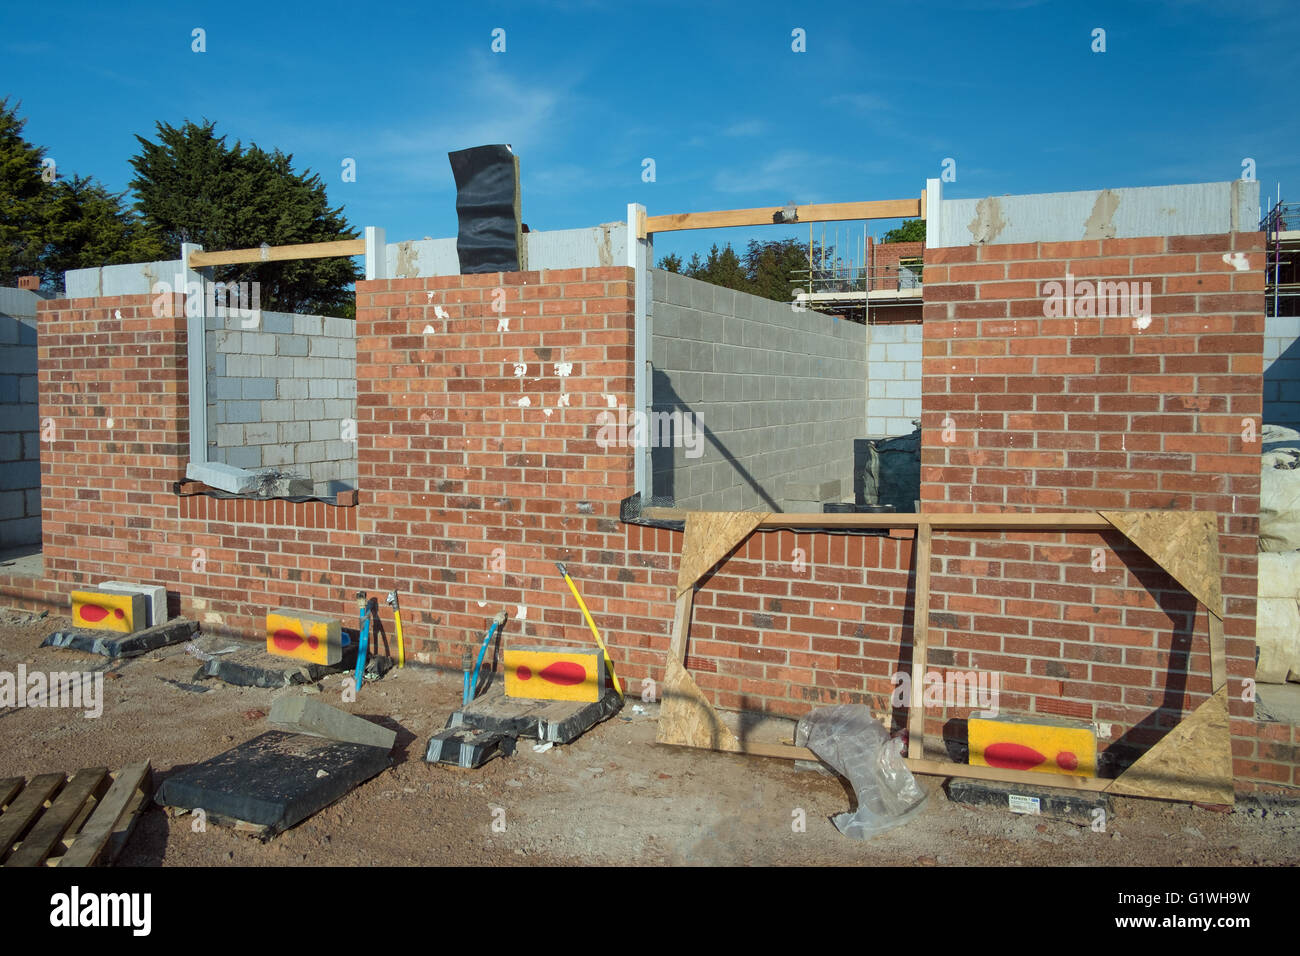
[[893, 379], [280, 393], [20, 464], [1282, 370], [779, 394]]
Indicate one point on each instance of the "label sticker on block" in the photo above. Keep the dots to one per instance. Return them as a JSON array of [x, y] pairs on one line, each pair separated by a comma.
[[305, 637], [540, 673], [1023, 804], [101, 611], [1023, 745]]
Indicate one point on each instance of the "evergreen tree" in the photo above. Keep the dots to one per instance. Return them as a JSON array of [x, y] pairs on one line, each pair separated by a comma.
[[192, 187]]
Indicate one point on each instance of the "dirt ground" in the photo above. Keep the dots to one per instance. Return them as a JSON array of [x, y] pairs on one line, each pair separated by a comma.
[[614, 796]]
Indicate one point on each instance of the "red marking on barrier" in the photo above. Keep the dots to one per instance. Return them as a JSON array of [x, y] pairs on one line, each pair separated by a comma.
[[1012, 756], [564, 673], [93, 612], [286, 640], [523, 673], [1067, 761], [119, 613]]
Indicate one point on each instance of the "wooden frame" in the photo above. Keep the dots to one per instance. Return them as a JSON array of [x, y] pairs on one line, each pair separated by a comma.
[[343, 248], [1183, 544], [776, 215]]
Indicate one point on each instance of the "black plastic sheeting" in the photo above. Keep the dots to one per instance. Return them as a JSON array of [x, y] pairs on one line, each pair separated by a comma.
[[487, 205]]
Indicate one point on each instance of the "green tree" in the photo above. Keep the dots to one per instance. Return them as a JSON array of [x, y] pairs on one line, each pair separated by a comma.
[[671, 263], [22, 213], [912, 230], [51, 224], [770, 267], [87, 226], [192, 187]]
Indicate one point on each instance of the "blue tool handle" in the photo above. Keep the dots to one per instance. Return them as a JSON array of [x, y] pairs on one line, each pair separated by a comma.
[[361, 652], [496, 623]]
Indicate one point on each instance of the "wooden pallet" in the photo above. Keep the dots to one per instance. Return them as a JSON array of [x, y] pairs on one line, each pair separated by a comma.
[[53, 820]]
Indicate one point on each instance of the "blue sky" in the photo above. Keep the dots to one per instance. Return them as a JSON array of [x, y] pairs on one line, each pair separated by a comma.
[[713, 93]]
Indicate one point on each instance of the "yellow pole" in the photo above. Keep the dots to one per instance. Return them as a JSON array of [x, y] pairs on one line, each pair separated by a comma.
[[401, 646], [397, 616], [592, 624]]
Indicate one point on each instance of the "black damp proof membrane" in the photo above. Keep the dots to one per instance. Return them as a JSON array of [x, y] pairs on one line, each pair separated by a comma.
[[487, 206], [276, 780]]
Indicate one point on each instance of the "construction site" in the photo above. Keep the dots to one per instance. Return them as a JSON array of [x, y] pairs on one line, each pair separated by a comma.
[[980, 550]]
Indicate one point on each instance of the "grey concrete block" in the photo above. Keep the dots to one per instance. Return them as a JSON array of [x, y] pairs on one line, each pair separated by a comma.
[[324, 347], [155, 598], [243, 456], [323, 388], [278, 411], [278, 323], [17, 475], [12, 505], [308, 324], [294, 432], [308, 715], [259, 389], [230, 436], [290, 388], [243, 411], [339, 328], [292, 345], [261, 433]]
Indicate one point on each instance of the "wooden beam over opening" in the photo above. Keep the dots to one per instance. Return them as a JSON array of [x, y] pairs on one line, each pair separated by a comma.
[[343, 248], [776, 215]]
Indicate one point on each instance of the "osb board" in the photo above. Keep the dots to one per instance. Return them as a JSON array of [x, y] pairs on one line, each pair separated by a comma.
[[1192, 762], [710, 536], [685, 716], [1186, 544], [688, 719]]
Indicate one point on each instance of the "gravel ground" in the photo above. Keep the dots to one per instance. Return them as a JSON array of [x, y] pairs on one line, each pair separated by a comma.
[[611, 797]]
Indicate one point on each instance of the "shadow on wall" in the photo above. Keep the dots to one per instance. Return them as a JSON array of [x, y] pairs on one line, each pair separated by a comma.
[[1282, 387], [665, 435]]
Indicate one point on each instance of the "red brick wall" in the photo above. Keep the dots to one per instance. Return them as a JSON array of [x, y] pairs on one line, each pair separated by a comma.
[[468, 497], [1025, 410]]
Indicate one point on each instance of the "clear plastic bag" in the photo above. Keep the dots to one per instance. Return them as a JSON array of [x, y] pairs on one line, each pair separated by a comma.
[[855, 745]]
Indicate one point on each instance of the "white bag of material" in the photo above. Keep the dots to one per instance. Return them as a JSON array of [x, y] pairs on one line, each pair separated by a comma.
[[1279, 490], [856, 746], [1277, 618]]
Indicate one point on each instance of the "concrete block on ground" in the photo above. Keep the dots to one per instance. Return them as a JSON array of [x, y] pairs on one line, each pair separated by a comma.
[[1049, 747], [104, 611], [307, 715], [309, 637], [468, 747], [132, 645], [544, 673], [275, 780], [155, 596], [1081, 807]]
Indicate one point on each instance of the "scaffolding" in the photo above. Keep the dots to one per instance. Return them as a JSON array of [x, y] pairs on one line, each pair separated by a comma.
[[1281, 226], [859, 282]]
